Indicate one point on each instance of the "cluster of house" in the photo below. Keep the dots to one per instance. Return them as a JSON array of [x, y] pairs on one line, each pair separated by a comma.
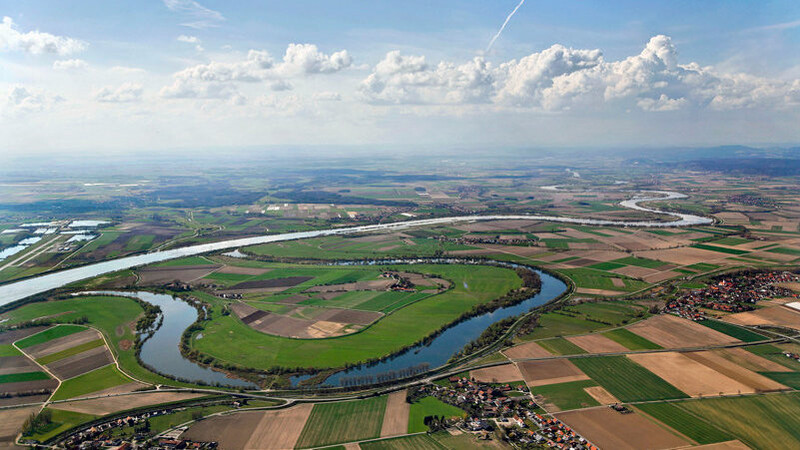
[[793, 356], [733, 294], [102, 435], [401, 284], [519, 241], [161, 444], [508, 407]]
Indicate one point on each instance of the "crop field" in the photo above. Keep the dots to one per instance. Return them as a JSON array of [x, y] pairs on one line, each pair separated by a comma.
[[603, 280], [691, 426], [96, 380], [471, 285], [338, 247], [762, 422], [429, 406], [418, 441], [597, 343], [550, 371], [737, 332], [607, 428], [566, 396], [586, 318], [627, 380], [332, 423], [8, 350], [630, 340], [670, 331], [22, 377], [774, 354], [560, 346], [49, 334]]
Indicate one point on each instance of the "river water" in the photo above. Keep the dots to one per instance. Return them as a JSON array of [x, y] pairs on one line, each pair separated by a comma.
[[161, 350], [43, 283]]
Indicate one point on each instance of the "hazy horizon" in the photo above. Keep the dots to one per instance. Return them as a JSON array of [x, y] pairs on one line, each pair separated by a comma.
[[180, 74]]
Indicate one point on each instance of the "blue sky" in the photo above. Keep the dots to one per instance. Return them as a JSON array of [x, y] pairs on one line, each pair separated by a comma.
[[150, 75]]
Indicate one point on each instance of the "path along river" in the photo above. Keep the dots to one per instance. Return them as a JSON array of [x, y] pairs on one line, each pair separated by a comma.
[[43, 283]]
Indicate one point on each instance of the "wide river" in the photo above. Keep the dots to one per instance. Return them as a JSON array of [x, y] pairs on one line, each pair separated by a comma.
[[21, 289]]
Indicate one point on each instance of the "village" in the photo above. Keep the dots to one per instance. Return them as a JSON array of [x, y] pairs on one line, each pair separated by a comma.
[[504, 412], [732, 294]]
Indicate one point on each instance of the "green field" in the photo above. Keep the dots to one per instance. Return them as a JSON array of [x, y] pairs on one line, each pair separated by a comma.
[[714, 248], [53, 357], [731, 241], [630, 340], [774, 354], [9, 350], [561, 346], [339, 247], [598, 279], [25, 376], [586, 318], [417, 441], [110, 315], [791, 379], [46, 335], [332, 423], [703, 267], [640, 262], [740, 333], [607, 266], [429, 406], [61, 421], [627, 380], [761, 422], [227, 339], [568, 395], [685, 423], [96, 380]]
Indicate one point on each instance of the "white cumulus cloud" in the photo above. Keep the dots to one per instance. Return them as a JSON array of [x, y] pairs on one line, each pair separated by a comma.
[[36, 42], [70, 64], [217, 79], [126, 93], [562, 78]]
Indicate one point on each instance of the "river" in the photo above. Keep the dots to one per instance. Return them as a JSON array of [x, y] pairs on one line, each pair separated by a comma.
[[21, 289], [161, 350]]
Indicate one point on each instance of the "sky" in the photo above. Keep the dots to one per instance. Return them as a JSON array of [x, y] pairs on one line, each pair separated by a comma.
[[161, 75]]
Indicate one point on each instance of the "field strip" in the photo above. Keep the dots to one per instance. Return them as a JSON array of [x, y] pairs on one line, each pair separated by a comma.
[[660, 350], [44, 404]]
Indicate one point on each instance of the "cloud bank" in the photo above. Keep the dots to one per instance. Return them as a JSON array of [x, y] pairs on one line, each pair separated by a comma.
[[561, 78]]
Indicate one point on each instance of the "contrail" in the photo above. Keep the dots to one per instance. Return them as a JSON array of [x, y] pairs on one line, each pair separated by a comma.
[[491, 43]]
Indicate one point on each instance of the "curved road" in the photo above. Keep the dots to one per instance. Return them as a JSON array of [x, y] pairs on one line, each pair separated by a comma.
[[37, 285]]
